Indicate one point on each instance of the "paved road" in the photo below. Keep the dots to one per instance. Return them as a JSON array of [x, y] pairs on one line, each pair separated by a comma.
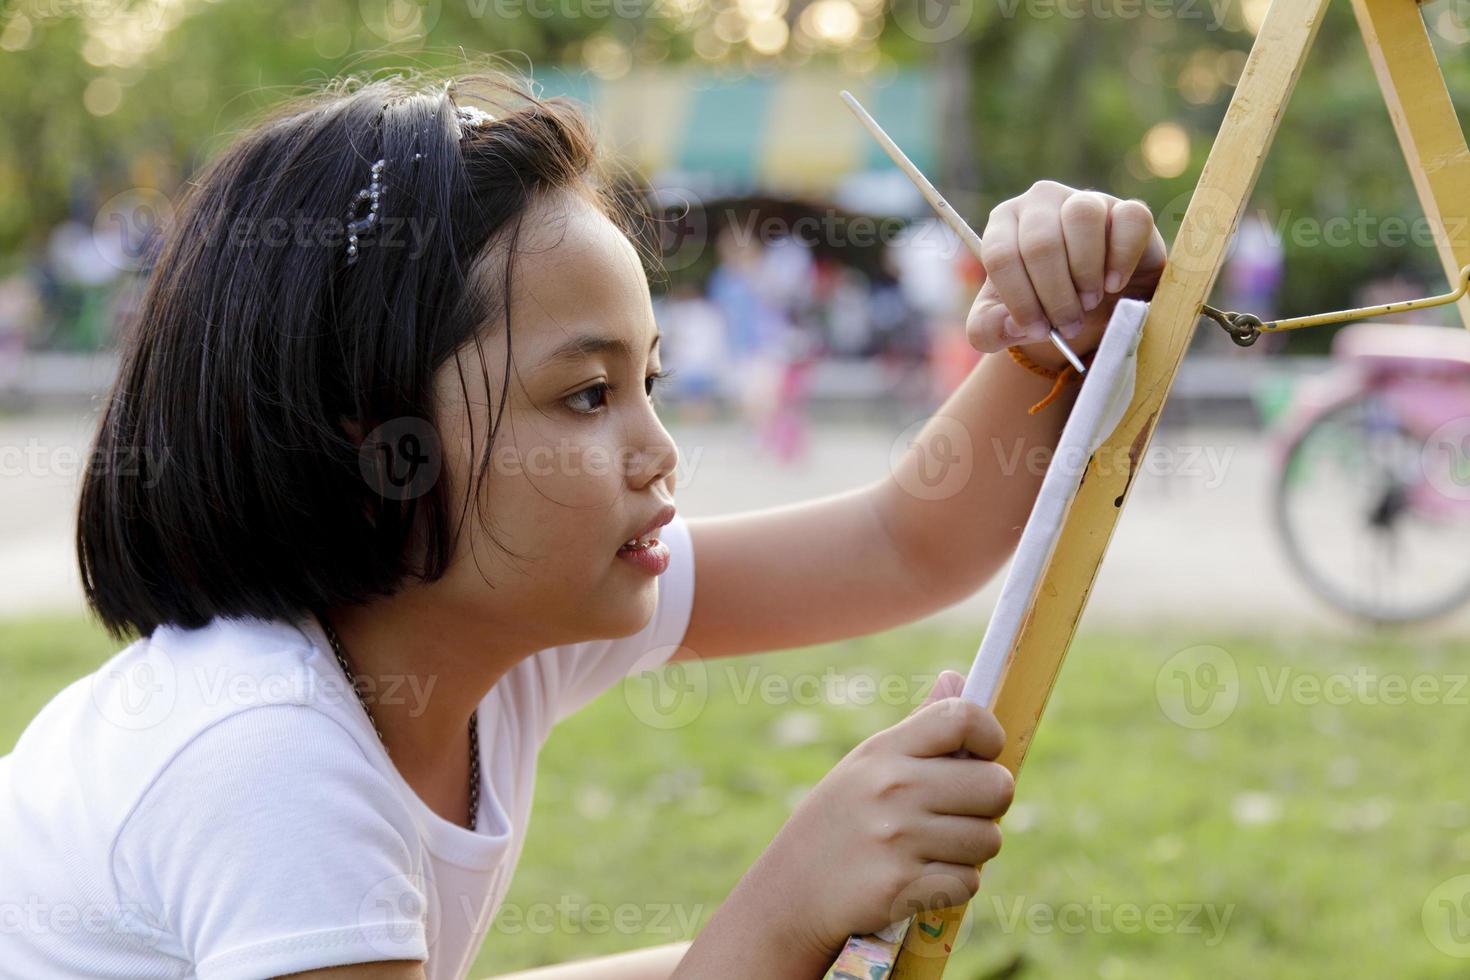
[[1195, 544]]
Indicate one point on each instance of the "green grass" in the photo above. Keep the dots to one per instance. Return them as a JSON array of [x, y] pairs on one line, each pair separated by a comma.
[[1321, 829]]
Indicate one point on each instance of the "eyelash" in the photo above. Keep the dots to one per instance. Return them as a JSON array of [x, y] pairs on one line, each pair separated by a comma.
[[653, 381]]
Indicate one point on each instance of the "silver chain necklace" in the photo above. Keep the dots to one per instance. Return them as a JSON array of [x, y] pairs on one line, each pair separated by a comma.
[[336, 642]]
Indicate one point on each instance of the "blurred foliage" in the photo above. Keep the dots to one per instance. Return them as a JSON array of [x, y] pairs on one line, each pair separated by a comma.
[[104, 96]]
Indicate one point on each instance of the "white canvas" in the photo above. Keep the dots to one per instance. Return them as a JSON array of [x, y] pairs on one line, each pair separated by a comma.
[[1107, 389]]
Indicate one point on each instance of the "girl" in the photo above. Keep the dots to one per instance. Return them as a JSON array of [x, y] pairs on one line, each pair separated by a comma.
[[383, 495]]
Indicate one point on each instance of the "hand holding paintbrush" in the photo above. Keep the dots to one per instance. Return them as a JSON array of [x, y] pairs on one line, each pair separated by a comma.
[[1034, 291]]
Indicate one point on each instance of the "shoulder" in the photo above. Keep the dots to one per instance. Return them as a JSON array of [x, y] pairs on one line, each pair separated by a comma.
[[271, 836], [118, 728]]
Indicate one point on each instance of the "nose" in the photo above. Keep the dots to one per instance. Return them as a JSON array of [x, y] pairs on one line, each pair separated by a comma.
[[657, 455]]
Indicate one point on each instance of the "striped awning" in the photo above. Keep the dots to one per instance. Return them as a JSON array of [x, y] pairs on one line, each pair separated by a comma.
[[787, 133]]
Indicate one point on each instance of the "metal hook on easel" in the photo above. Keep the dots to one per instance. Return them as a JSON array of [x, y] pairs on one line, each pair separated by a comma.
[[1246, 328]]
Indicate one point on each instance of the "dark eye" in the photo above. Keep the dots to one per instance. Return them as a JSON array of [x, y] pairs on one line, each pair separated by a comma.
[[589, 399], [656, 380]]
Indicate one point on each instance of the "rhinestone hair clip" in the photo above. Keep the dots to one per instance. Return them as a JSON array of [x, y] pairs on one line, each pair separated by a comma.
[[372, 194]]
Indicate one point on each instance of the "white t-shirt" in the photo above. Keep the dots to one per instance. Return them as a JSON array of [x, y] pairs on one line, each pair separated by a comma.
[[213, 803]]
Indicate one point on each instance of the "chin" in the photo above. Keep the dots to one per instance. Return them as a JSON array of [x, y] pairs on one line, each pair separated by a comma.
[[630, 615]]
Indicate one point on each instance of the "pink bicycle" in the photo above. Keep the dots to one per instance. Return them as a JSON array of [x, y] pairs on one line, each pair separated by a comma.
[[1373, 473]]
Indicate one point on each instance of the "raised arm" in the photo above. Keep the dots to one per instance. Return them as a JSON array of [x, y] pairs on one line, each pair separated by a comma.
[[945, 519]]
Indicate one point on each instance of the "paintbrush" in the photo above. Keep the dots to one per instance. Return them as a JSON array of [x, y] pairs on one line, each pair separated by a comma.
[[941, 207]]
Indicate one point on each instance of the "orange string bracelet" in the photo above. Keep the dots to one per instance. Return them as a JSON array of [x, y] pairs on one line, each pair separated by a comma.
[[1062, 377]]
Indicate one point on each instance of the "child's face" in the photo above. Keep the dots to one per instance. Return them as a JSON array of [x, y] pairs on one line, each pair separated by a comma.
[[576, 470]]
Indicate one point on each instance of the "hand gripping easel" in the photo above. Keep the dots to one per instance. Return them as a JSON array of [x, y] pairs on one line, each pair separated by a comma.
[[1434, 147]]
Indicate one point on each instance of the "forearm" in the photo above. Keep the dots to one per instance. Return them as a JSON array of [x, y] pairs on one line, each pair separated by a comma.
[[751, 936], [957, 500]]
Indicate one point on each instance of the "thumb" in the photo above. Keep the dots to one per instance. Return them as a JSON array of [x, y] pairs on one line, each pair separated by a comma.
[[948, 684]]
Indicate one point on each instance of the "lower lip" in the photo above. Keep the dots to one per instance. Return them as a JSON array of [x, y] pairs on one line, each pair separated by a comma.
[[654, 559]]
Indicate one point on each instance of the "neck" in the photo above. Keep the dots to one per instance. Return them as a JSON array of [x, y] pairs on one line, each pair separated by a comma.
[[423, 672]]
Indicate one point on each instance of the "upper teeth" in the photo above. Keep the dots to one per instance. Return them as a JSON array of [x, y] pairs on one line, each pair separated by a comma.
[[634, 542]]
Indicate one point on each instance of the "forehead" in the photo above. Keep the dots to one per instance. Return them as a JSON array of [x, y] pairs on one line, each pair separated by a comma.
[[575, 274]]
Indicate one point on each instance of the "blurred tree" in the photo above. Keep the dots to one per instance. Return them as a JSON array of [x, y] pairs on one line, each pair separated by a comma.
[[104, 96]]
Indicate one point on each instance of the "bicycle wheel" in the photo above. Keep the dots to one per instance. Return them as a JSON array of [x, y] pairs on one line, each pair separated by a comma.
[[1346, 513]]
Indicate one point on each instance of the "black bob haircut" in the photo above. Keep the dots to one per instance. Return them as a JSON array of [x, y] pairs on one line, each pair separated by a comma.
[[228, 475]]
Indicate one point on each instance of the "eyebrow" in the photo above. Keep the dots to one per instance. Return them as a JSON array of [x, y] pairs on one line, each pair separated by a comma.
[[588, 345]]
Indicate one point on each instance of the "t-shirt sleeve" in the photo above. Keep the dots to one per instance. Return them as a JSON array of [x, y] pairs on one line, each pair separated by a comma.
[[576, 674], [270, 845]]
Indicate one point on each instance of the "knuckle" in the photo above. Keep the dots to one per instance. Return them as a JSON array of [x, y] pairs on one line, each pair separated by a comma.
[[1133, 210], [1037, 246], [888, 781], [998, 256], [1085, 206]]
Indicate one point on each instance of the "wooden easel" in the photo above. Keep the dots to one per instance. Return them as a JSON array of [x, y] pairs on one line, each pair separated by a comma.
[[1434, 146]]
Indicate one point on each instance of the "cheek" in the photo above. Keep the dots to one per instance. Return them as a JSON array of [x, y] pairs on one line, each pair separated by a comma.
[[553, 491]]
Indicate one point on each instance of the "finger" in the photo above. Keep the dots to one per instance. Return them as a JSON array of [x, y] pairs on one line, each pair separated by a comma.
[[948, 726], [948, 684], [1044, 250], [1147, 273], [1130, 227], [968, 787], [985, 326], [958, 840], [1085, 230], [938, 886], [1001, 255]]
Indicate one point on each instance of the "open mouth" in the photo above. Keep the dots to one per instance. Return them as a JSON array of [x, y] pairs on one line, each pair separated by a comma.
[[641, 544]]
